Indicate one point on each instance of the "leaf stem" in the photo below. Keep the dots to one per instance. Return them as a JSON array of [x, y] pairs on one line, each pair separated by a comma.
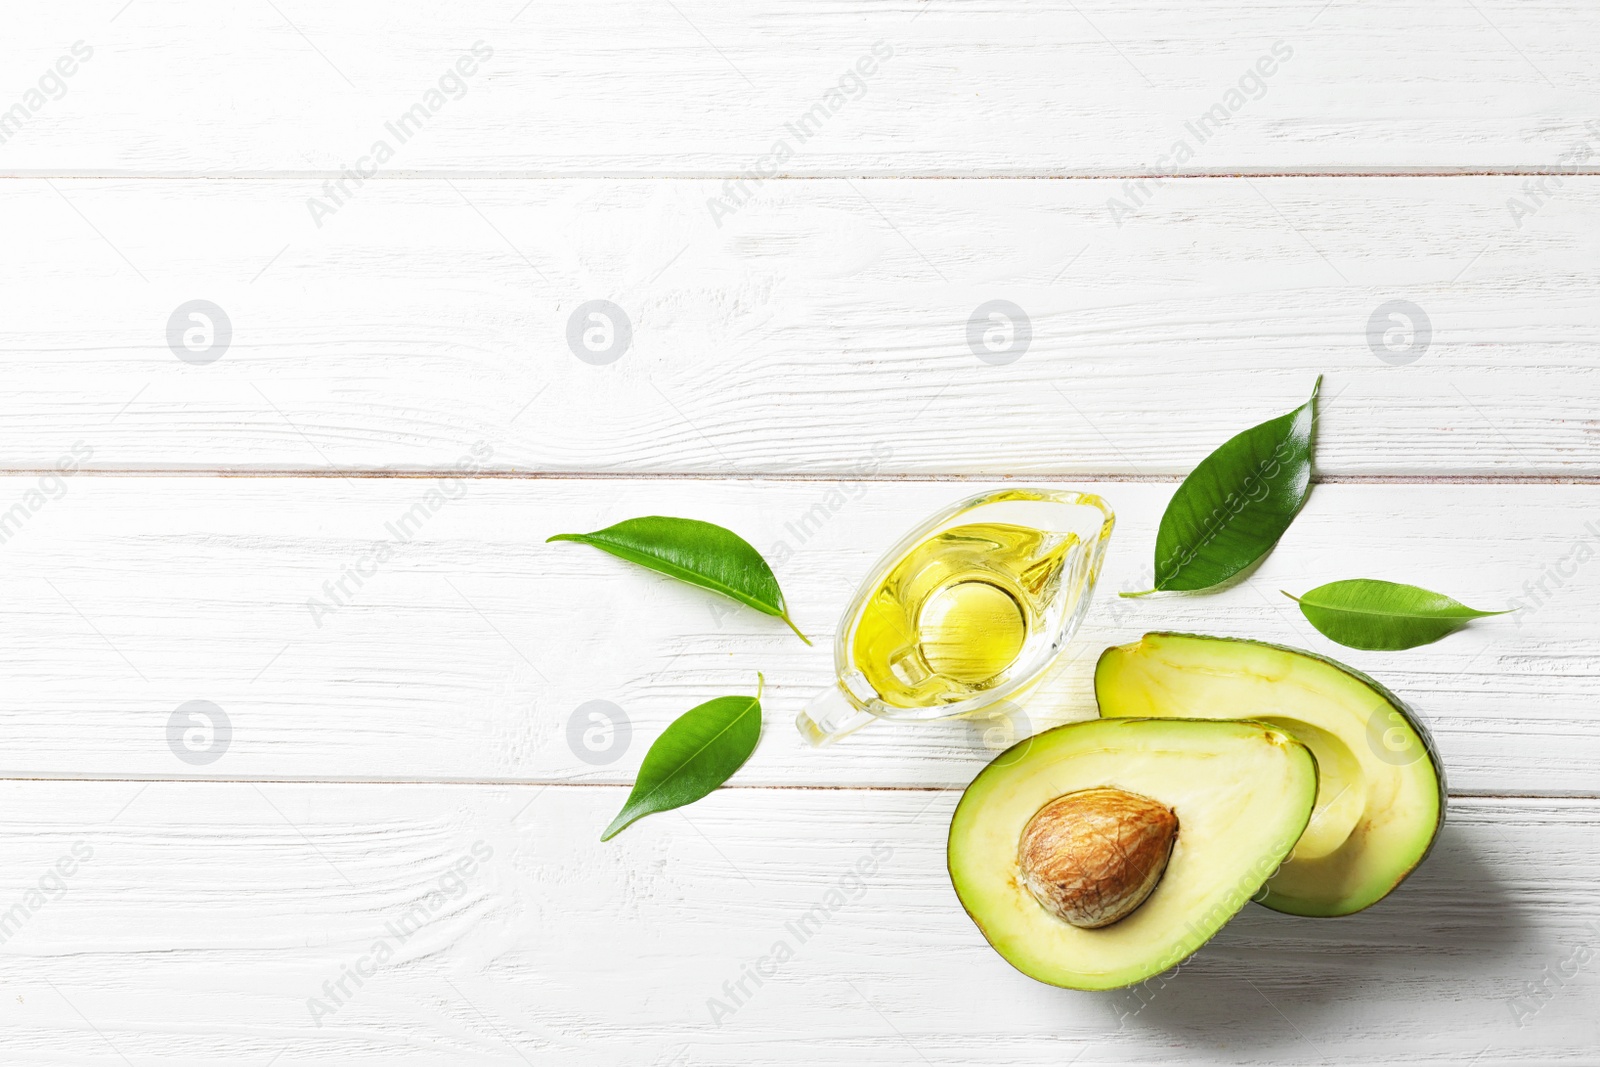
[[796, 629]]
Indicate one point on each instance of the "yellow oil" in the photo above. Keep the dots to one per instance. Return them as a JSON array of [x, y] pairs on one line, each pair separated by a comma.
[[954, 614]]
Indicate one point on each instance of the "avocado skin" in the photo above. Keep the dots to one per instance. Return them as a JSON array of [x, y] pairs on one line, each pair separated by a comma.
[[1430, 747]]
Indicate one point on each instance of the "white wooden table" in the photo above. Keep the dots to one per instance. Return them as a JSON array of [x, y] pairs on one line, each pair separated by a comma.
[[389, 784]]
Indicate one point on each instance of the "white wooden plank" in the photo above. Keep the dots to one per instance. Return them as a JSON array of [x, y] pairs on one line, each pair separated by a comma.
[[208, 916], [633, 86], [467, 654], [824, 329]]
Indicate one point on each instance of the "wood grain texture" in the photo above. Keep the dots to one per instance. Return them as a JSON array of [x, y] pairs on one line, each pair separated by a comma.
[[691, 87], [208, 917], [824, 329], [469, 652], [401, 775]]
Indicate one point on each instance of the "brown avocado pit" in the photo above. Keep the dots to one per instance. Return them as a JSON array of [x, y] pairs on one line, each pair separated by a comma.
[[1091, 857]]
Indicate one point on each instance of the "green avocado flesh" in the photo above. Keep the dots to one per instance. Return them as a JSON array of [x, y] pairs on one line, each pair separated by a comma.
[[1242, 793], [1381, 798]]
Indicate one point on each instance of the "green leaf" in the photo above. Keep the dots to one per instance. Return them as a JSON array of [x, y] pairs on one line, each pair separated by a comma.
[[1235, 505], [700, 553], [693, 756], [1383, 616]]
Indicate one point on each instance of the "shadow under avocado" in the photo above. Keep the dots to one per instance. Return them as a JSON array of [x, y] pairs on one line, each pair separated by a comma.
[[1266, 979]]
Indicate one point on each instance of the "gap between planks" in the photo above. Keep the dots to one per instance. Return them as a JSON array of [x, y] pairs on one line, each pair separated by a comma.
[[500, 783], [1521, 171], [776, 476]]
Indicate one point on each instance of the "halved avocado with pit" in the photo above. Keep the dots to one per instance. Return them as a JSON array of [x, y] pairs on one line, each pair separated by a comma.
[[1381, 799], [1239, 795]]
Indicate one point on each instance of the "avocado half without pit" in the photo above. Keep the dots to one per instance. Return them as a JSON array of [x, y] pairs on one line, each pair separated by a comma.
[[1380, 801], [1097, 854]]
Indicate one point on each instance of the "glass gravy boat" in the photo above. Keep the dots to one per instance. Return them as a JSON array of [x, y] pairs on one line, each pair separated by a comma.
[[965, 613]]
